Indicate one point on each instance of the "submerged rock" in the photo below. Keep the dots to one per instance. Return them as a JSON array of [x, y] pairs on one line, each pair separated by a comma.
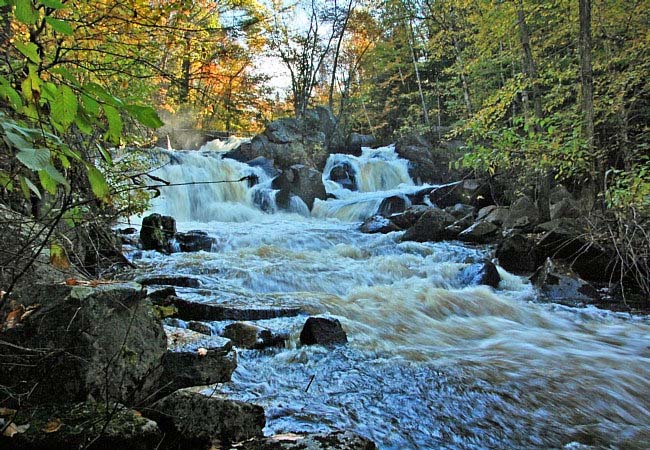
[[191, 419], [378, 224], [322, 331], [302, 181], [337, 440], [393, 205], [77, 342], [194, 241], [480, 274], [170, 280], [559, 284], [344, 175], [250, 336]]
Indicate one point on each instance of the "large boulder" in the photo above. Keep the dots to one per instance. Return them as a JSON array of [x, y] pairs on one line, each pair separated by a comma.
[[470, 192], [378, 224], [157, 232], [518, 254], [75, 342], [480, 274], [194, 241], [559, 284], [251, 336], [429, 163], [301, 181], [409, 217], [480, 233], [322, 331], [74, 425], [192, 419], [344, 174], [356, 142], [393, 205], [430, 227], [497, 215], [522, 214]]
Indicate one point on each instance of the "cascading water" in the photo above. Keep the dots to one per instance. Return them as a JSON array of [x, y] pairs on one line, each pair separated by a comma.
[[431, 362]]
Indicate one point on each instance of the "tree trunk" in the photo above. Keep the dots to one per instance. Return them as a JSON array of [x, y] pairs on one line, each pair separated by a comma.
[[411, 42], [587, 90]]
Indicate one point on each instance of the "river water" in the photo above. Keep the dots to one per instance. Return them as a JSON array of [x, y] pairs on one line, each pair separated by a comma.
[[430, 363]]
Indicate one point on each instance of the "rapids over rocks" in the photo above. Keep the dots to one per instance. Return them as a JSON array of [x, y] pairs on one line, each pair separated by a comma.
[[430, 363]]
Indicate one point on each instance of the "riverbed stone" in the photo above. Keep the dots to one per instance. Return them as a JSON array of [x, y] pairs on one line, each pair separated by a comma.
[[343, 173], [301, 181], [393, 205], [322, 331], [481, 233], [79, 342], [484, 273], [170, 280], [192, 419], [430, 227], [194, 241], [336, 440], [522, 214], [559, 284], [517, 253], [378, 224], [409, 217], [156, 232], [250, 336]]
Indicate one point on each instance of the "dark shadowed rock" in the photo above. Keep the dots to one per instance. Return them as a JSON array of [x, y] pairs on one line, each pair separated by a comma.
[[322, 331], [156, 232], [393, 205], [356, 141], [344, 175], [480, 274], [301, 181], [567, 207], [480, 233], [518, 254], [337, 440], [497, 215], [430, 227], [265, 164], [522, 214], [251, 336], [161, 294], [410, 216], [470, 192], [559, 284], [170, 280], [194, 241], [199, 327], [193, 420], [76, 424], [188, 310], [460, 210], [378, 224], [103, 342], [429, 163]]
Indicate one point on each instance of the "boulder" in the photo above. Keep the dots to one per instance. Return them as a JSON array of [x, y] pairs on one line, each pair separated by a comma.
[[170, 280], [74, 425], [378, 224], [429, 163], [79, 342], [156, 232], [336, 440], [559, 193], [250, 336], [344, 174], [301, 181], [194, 241], [430, 227], [265, 164], [497, 215], [565, 208], [409, 217], [199, 327], [192, 419], [393, 205], [356, 141], [559, 284], [480, 274], [460, 210], [518, 254], [197, 362], [470, 192], [322, 331], [522, 214], [161, 294], [480, 233]]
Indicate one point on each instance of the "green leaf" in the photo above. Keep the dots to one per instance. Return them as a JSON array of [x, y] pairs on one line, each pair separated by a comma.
[[34, 158], [146, 115], [64, 107], [16, 140], [24, 188], [32, 187], [83, 124], [95, 90], [30, 50], [10, 94], [97, 182], [25, 12], [114, 131], [48, 183], [90, 105], [105, 155], [54, 4], [6, 180], [60, 26]]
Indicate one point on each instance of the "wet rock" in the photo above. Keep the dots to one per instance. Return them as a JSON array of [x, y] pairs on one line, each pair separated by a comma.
[[460, 210], [197, 362], [302, 181], [208, 312], [322, 331], [430, 227], [428, 163], [522, 214], [103, 342], [410, 216], [378, 224], [497, 215], [161, 294], [74, 425], [559, 284], [344, 175], [194, 241], [458, 226], [250, 336], [356, 141], [194, 420], [170, 280], [393, 205], [337, 440], [199, 327], [518, 254], [480, 233], [265, 164], [127, 231], [156, 232], [480, 274]]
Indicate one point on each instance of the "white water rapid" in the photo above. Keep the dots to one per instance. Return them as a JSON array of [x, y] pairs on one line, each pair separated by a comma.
[[431, 362]]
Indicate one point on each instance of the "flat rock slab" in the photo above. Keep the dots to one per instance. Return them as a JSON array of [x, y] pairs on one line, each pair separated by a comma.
[[193, 419], [170, 280], [69, 426], [207, 312], [339, 440]]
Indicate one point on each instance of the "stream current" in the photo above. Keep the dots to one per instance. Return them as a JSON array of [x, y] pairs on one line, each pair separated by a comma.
[[430, 363]]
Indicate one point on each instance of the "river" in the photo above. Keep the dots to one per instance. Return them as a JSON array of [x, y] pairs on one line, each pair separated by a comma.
[[430, 363]]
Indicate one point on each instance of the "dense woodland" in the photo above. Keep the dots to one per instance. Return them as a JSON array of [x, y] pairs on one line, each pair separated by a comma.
[[540, 92]]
